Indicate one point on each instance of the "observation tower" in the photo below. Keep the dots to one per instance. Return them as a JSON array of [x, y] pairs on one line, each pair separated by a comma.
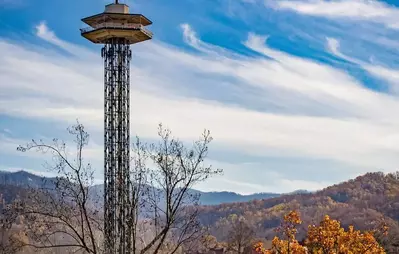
[[117, 29]]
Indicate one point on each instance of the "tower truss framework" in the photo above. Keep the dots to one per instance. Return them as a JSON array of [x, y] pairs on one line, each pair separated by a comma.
[[117, 55]]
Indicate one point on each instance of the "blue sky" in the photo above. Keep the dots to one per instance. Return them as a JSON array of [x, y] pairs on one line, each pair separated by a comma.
[[298, 94]]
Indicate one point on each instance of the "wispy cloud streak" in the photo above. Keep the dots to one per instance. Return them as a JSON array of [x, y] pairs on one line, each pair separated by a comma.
[[368, 10]]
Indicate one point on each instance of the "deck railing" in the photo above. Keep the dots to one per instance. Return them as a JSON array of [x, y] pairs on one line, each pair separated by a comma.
[[117, 26]]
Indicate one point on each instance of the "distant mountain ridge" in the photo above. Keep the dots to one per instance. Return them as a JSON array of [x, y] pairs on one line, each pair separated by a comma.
[[26, 179]]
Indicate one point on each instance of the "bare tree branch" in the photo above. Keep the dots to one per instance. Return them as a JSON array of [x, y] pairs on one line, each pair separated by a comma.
[[62, 213], [166, 201]]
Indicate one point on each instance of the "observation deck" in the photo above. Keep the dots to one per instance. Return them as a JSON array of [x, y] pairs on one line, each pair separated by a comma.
[[116, 22]]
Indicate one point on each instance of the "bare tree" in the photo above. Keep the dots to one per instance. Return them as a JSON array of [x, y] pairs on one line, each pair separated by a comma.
[[204, 244], [163, 175], [240, 235], [59, 215]]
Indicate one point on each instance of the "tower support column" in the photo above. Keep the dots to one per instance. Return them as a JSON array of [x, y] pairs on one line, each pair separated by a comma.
[[116, 54]]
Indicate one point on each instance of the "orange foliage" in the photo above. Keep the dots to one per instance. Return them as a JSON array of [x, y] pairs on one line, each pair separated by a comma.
[[291, 220], [327, 238]]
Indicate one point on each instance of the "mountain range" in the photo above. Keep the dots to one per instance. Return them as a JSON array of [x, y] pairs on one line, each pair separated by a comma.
[[26, 179]]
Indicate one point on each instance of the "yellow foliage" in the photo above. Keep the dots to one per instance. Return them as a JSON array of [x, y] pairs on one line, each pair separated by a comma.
[[327, 238], [277, 208]]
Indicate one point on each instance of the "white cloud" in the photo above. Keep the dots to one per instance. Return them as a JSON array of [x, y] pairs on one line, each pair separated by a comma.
[[9, 145], [303, 185], [354, 125], [385, 73], [8, 131], [191, 38], [333, 47], [43, 32], [270, 180], [370, 10]]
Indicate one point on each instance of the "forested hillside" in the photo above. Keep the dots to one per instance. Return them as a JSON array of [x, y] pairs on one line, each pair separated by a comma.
[[363, 202]]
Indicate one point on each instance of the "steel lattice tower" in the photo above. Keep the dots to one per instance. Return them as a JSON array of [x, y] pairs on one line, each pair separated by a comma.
[[117, 29]]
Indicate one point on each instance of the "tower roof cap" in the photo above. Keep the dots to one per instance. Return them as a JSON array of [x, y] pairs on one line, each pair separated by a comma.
[[117, 8]]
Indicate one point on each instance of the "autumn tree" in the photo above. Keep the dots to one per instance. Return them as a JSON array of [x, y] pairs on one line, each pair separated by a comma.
[[326, 238], [290, 243], [330, 237], [59, 215]]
